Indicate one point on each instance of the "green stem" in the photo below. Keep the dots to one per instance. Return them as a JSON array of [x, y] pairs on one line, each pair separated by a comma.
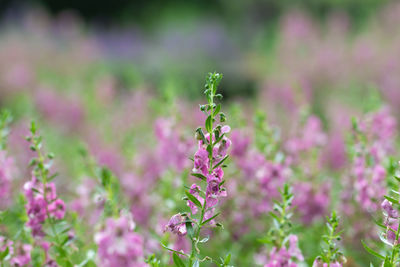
[[195, 238], [394, 250], [210, 156], [43, 174]]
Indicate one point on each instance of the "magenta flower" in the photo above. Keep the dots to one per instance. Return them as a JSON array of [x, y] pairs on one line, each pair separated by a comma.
[[51, 194], [318, 263], [285, 256], [389, 210], [177, 225], [57, 209], [38, 208], [312, 203], [119, 245], [294, 249], [201, 161], [172, 149], [241, 144], [23, 255], [6, 168]]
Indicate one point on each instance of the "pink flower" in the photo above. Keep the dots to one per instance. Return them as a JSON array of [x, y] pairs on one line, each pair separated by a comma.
[[284, 256], [311, 136], [177, 225], [201, 161], [172, 149], [57, 209], [319, 263], [119, 245], [38, 207], [23, 255], [311, 203], [50, 192], [241, 144], [294, 249], [389, 210], [6, 167]]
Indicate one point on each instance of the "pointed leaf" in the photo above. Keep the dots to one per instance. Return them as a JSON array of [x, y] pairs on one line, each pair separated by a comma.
[[222, 161], [200, 176], [178, 261], [209, 124], [371, 251], [193, 199]]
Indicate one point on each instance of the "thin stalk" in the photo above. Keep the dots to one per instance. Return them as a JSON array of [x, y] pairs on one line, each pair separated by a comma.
[[43, 175], [395, 243]]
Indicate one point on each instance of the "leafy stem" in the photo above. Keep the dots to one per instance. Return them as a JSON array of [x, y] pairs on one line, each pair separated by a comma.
[[42, 170]]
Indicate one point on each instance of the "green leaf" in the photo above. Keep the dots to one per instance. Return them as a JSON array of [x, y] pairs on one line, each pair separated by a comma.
[[178, 261], [4, 254], [209, 149], [217, 110], [199, 175], [209, 124], [222, 161], [387, 262], [371, 251], [105, 176], [209, 219], [227, 259], [200, 135], [193, 199], [33, 127], [189, 228]]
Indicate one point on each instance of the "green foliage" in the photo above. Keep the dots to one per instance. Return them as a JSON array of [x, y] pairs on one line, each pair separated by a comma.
[[5, 120], [330, 250], [56, 230], [281, 217]]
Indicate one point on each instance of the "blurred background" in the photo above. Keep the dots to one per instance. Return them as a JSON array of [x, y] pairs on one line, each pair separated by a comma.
[[256, 44], [81, 66], [100, 71]]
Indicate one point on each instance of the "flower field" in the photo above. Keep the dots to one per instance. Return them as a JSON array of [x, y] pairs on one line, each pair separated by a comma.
[[188, 146]]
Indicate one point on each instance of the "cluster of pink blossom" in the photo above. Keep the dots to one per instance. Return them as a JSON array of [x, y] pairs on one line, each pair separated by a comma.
[[177, 224], [21, 256], [391, 221], [6, 167], [214, 176], [286, 255], [319, 263], [311, 136], [312, 197], [376, 142], [311, 202], [119, 245], [42, 203], [172, 147], [57, 107], [268, 175]]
